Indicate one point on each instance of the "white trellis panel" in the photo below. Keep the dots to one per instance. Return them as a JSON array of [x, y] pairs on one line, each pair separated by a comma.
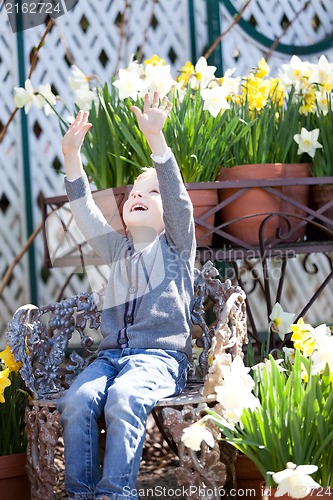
[[201, 37], [12, 224], [311, 25]]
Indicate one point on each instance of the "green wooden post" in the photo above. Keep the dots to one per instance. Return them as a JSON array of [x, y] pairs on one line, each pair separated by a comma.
[[214, 31], [26, 165], [194, 55]]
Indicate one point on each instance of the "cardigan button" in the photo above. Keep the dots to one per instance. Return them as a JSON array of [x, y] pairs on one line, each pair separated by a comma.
[[132, 289]]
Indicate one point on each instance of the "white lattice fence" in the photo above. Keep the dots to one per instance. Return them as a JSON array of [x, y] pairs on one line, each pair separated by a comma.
[[12, 225], [270, 18]]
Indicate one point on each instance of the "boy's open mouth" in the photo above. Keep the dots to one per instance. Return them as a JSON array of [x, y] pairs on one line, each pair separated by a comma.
[[138, 207]]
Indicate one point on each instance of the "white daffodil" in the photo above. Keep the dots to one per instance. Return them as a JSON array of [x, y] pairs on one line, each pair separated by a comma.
[[323, 355], [295, 480], [280, 321], [129, 84], [289, 354], [78, 80], [26, 97], [321, 333], [196, 433], [84, 97], [267, 365], [234, 397], [215, 99], [295, 73], [158, 78], [203, 74], [49, 98], [322, 101], [307, 141], [322, 72], [238, 371], [136, 68], [232, 84]]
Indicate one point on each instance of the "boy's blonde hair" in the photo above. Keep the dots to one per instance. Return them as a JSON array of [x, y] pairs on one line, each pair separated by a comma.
[[146, 173]]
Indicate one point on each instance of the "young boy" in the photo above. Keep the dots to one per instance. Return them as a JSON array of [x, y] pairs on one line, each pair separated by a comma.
[[146, 346]]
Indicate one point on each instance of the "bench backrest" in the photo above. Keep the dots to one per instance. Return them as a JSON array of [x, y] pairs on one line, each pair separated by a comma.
[[39, 337]]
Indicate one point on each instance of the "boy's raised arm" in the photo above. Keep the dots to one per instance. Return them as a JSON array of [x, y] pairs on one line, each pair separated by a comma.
[[71, 145], [151, 122], [177, 206]]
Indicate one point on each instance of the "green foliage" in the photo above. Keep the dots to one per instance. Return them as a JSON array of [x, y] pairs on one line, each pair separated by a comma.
[[322, 163], [116, 150], [198, 140], [294, 422], [114, 147], [13, 438], [270, 139]]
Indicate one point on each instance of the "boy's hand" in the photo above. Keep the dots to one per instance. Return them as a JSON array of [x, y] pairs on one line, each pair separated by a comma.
[[73, 139], [151, 121]]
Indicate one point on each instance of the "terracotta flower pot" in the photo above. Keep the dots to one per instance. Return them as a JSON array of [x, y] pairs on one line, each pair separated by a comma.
[[248, 477], [256, 203], [14, 482], [203, 200], [319, 196]]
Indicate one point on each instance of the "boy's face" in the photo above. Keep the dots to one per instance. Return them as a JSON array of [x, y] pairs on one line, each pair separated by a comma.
[[144, 205]]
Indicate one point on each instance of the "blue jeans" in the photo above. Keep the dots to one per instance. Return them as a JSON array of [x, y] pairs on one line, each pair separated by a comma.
[[126, 384]]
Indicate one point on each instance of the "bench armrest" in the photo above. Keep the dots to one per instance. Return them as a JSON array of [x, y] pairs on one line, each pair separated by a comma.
[[39, 339]]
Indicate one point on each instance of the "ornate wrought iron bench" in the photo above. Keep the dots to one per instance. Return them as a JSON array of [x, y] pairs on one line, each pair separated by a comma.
[[39, 338]]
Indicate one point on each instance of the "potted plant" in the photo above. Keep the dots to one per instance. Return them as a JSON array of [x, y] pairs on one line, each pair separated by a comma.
[[280, 144], [280, 415], [13, 443]]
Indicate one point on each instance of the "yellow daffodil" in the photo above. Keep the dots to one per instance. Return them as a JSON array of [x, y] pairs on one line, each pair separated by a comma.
[[277, 91], [263, 69], [309, 102], [256, 91], [8, 358], [4, 382], [303, 337], [155, 60], [185, 73], [14, 399]]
